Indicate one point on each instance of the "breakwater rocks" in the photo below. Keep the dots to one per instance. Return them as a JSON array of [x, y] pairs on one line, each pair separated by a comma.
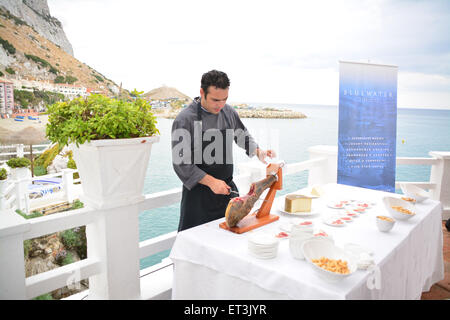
[[270, 114], [247, 113]]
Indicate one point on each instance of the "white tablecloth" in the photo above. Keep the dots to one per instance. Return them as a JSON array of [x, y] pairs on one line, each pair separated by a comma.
[[212, 263]]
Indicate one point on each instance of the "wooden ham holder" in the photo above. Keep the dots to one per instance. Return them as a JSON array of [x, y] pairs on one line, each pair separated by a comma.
[[261, 216]]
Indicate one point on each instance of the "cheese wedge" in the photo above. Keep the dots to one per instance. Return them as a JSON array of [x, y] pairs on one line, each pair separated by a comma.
[[317, 191], [297, 203]]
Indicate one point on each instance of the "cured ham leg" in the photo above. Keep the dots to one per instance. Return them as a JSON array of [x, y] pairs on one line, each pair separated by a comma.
[[239, 207]]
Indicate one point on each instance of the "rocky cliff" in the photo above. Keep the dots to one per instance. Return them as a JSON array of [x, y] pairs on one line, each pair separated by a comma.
[[26, 54], [37, 15]]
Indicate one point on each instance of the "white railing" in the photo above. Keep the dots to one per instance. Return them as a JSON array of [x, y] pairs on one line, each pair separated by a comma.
[[20, 152], [18, 195], [114, 248]]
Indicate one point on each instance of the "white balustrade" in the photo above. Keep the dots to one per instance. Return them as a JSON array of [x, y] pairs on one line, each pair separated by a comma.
[[114, 249]]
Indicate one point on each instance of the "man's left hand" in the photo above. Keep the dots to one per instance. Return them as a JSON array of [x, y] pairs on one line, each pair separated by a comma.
[[262, 154]]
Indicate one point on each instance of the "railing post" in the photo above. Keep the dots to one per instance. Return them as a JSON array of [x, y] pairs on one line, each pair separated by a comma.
[[3, 185], [19, 151], [327, 173], [440, 175], [22, 194], [114, 239], [12, 275], [67, 182]]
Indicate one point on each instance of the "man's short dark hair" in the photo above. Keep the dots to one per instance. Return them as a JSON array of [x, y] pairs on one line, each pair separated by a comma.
[[216, 79]]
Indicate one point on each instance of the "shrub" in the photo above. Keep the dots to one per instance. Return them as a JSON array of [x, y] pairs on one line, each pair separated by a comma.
[[3, 174], [26, 248], [99, 117], [7, 46], [10, 70], [42, 62], [68, 259], [18, 162], [75, 239], [39, 171], [59, 79], [48, 156], [98, 77]]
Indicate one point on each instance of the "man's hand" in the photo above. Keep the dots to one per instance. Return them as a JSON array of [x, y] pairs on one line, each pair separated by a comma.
[[262, 154], [216, 185]]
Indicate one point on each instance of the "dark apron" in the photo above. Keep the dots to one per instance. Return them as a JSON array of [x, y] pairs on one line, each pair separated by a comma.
[[200, 205]]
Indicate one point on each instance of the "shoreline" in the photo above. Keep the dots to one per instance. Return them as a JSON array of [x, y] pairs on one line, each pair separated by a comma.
[[244, 113]]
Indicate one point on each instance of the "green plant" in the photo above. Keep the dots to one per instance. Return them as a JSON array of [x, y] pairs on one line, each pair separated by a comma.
[[68, 259], [39, 171], [46, 296], [99, 117], [10, 70], [7, 46], [18, 162], [75, 239], [34, 214], [26, 248], [77, 204], [3, 174]]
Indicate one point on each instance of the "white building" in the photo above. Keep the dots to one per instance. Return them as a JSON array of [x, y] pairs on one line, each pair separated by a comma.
[[6, 97]]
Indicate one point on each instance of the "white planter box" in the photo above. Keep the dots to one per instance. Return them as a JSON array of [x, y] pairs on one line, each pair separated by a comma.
[[20, 173], [112, 171]]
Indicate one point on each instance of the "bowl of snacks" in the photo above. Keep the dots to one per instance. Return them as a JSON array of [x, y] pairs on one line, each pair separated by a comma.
[[398, 208], [384, 223], [414, 192], [329, 261]]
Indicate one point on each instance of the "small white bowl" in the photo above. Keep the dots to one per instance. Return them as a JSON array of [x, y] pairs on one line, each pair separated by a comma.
[[389, 202], [384, 225], [414, 192], [315, 249]]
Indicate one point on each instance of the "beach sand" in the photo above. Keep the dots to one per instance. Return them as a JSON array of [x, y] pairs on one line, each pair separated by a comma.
[[10, 126]]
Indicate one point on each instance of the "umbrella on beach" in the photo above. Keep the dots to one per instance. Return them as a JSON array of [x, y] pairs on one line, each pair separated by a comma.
[[29, 136]]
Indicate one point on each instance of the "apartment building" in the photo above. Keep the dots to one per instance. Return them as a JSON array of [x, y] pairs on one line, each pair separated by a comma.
[[6, 97]]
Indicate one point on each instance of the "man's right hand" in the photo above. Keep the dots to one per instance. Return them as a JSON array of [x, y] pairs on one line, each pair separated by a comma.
[[216, 185]]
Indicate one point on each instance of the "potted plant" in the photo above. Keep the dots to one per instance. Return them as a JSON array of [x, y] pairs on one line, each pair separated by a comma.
[[19, 168], [111, 142]]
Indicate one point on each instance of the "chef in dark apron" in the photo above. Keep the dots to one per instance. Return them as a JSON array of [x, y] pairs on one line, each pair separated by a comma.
[[206, 172]]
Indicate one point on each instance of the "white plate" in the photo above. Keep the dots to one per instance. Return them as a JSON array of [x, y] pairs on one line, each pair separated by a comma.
[[281, 235], [262, 239], [351, 214], [363, 204], [338, 204], [359, 210], [330, 222], [346, 218], [313, 212]]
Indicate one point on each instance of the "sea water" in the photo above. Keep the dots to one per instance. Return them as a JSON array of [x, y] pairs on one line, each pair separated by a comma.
[[418, 132]]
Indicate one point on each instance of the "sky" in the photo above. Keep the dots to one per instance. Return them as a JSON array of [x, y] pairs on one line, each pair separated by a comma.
[[273, 51]]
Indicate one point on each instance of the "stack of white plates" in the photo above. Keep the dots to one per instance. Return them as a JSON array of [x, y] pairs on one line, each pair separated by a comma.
[[263, 245]]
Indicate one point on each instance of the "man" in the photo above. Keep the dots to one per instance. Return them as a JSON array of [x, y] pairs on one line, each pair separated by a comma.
[[202, 141]]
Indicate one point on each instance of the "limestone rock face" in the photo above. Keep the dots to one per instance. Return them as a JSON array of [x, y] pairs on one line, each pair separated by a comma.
[[42, 257], [58, 164], [37, 14]]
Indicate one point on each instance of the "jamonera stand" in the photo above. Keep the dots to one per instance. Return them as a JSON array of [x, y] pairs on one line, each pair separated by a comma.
[[262, 216]]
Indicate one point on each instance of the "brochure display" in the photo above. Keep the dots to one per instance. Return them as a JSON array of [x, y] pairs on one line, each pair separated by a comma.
[[367, 125]]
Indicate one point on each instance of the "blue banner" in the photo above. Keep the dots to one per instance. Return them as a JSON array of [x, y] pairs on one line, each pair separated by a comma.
[[367, 125]]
